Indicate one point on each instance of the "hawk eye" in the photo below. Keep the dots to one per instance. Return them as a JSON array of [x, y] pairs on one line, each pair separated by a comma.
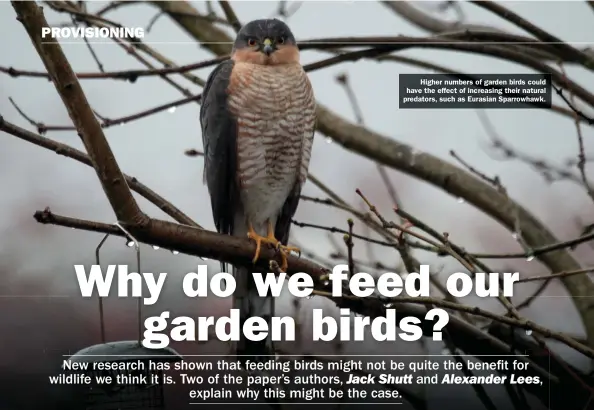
[[251, 42], [281, 40]]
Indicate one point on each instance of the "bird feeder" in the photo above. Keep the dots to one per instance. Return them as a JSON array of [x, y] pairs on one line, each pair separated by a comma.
[[140, 379], [136, 379]]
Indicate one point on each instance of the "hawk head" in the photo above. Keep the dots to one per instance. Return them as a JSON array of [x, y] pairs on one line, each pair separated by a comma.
[[265, 42]]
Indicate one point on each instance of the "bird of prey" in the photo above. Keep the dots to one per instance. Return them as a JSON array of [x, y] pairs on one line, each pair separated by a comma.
[[258, 118]]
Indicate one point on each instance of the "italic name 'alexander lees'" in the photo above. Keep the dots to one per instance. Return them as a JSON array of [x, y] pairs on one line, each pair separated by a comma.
[[490, 379]]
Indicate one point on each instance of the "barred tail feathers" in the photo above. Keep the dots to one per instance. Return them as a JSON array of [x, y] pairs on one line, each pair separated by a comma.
[[250, 303]]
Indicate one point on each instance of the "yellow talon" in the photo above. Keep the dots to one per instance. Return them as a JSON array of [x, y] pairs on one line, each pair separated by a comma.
[[270, 239], [259, 239]]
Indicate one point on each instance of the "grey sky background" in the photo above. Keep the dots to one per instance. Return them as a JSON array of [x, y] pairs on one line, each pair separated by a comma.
[[37, 259]]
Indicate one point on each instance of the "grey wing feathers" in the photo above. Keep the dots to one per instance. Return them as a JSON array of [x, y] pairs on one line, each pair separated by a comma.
[[283, 223], [219, 138]]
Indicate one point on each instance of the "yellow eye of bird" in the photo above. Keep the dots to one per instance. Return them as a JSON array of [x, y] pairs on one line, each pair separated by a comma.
[[251, 42]]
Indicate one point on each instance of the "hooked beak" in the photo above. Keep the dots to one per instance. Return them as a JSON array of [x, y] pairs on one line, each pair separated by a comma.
[[267, 47]]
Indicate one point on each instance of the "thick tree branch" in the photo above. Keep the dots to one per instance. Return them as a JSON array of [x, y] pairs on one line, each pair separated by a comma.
[[231, 16], [75, 101]]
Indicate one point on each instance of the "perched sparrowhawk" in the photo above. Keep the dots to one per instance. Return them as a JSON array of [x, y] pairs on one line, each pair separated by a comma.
[[258, 120]]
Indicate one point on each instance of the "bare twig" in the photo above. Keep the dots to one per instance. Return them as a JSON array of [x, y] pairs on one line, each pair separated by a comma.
[[348, 240], [556, 275], [493, 181], [581, 157], [110, 122], [126, 75]]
